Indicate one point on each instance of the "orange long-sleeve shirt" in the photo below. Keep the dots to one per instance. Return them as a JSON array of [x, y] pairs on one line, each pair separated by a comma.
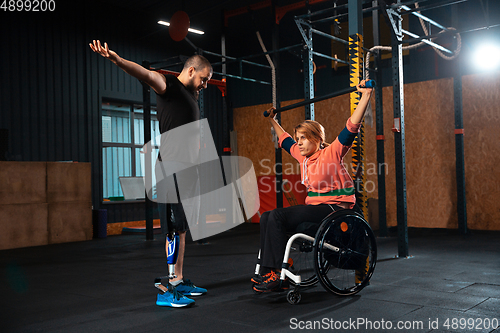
[[324, 171]]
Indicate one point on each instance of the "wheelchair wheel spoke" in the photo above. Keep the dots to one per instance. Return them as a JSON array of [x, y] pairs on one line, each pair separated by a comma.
[[303, 262]]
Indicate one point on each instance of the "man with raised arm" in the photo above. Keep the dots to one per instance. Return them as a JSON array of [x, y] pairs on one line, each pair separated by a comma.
[[177, 105]]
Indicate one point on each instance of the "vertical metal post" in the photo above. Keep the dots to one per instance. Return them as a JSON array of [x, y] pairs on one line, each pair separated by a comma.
[[459, 142], [399, 132], [201, 99], [225, 120], [356, 72], [146, 95], [223, 46], [278, 152], [201, 104], [460, 158], [355, 16], [308, 73], [379, 124]]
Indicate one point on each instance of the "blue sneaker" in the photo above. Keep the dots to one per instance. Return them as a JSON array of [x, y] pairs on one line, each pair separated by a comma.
[[173, 299], [188, 288]]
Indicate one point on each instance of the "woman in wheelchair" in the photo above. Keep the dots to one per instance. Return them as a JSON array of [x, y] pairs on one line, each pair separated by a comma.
[[329, 187]]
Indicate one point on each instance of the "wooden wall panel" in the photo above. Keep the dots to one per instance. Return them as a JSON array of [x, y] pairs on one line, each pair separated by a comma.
[[23, 183], [44, 202], [69, 221], [430, 149], [68, 182], [23, 225], [481, 103], [430, 155]]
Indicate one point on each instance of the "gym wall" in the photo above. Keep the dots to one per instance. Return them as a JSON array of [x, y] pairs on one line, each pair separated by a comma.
[[52, 84], [430, 149]]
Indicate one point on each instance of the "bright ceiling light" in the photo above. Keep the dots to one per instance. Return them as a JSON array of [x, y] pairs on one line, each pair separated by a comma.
[[195, 31], [487, 57], [164, 23]]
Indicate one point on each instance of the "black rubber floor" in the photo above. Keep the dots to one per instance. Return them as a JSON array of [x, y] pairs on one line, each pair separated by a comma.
[[451, 283]]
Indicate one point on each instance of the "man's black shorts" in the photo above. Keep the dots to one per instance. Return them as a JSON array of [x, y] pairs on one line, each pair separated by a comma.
[[179, 221]]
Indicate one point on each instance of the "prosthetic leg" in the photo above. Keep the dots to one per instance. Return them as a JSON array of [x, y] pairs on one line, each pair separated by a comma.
[[169, 295], [172, 253], [172, 243]]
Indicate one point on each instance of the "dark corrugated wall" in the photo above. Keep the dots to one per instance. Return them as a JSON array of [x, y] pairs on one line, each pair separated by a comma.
[[44, 101]]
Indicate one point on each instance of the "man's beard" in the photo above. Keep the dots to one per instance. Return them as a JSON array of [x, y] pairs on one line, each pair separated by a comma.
[[193, 89]]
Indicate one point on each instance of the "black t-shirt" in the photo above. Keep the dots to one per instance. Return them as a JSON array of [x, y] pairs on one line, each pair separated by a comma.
[[177, 106]]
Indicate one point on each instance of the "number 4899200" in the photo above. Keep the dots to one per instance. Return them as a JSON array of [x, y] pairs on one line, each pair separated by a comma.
[[28, 6]]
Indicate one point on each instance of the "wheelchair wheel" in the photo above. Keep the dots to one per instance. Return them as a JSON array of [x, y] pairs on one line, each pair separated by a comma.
[[345, 253], [293, 297], [302, 262]]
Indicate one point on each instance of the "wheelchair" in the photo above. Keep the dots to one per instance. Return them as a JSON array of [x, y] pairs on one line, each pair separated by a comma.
[[341, 256]]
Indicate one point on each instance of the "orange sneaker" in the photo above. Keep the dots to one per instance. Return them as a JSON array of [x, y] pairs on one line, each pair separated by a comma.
[[260, 278], [272, 283]]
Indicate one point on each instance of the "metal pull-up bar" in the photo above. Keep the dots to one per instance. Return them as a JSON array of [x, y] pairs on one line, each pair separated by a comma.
[[368, 84]]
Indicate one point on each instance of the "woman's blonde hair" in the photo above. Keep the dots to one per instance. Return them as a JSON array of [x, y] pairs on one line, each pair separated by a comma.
[[313, 131]]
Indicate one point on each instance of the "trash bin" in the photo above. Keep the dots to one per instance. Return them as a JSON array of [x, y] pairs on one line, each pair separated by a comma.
[[100, 223]]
